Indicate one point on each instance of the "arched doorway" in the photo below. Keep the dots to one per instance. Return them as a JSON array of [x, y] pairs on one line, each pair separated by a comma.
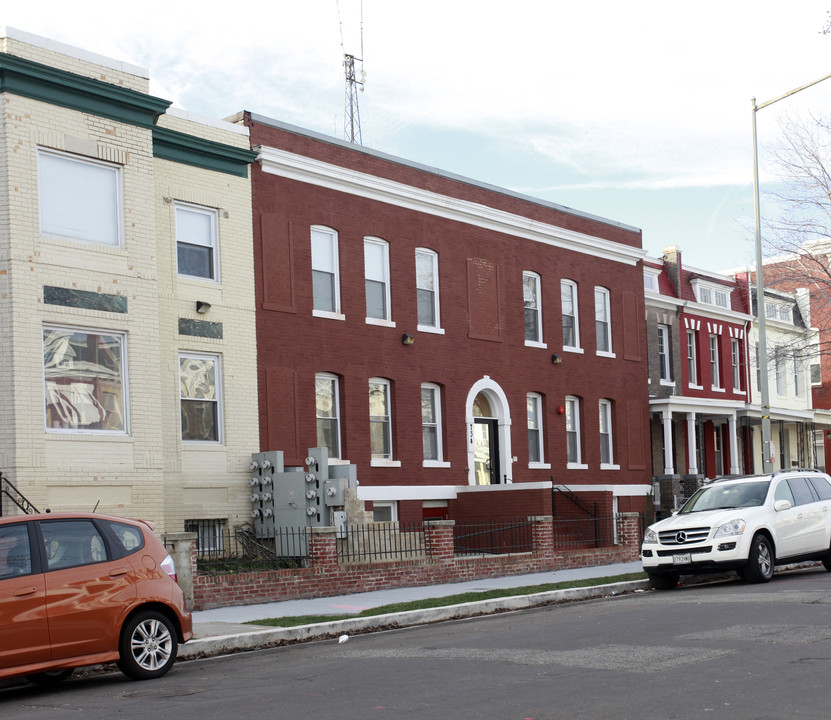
[[489, 434]]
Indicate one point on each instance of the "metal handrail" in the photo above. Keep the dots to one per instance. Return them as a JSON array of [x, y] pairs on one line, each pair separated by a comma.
[[8, 489]]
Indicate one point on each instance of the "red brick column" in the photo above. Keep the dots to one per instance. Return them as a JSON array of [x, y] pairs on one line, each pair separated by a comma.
[[542, 535], [323, 549], [438, 539], [630, 534]]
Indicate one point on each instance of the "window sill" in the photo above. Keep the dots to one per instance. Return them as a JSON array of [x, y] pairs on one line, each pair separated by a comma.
[[535, 344], [202, 445], [328, 315], [608, 466], [383, 462], [430, 329], [604, 353], [717, 389], [696, 387], [435, 464], [539, 466], [569, 348], [576, 466], [668, 383], [198, 279], [739, 392], [338, 461], [380, 322]]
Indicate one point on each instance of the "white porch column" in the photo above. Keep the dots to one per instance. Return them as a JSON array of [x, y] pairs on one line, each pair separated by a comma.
[[669, 465], [692, 444], [734, 445]]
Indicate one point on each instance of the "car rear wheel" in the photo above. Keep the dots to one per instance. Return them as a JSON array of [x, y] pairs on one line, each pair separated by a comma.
[[663, 581], [148, 646], [51, 677], [760, 561]]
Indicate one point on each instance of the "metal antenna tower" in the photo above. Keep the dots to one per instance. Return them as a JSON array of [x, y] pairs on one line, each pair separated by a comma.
[[352, 117]]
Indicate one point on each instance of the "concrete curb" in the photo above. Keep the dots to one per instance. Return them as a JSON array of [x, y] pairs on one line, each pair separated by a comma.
[[256, 639]]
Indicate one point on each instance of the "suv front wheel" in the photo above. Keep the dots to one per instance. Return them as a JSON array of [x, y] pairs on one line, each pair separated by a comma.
[[760, 560]]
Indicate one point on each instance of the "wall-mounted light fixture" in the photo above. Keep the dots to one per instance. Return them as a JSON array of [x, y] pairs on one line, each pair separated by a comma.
[[561, 409], [556, 359], [202, 307], [407, 339]]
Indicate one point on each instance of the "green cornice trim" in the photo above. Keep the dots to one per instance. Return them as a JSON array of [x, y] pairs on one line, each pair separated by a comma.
[[59, 87], [191, 150]]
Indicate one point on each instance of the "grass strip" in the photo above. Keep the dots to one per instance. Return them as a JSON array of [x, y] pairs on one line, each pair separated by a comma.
[[449, 600]]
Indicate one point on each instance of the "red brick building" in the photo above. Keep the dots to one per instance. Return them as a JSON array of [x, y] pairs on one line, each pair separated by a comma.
[[467, 348]]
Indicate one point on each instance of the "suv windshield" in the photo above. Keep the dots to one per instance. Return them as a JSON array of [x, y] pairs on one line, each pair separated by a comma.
[[727, 495]]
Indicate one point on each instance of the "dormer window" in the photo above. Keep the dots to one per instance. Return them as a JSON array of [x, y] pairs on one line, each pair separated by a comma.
[[779, 311], [711, 294], [650, 280]]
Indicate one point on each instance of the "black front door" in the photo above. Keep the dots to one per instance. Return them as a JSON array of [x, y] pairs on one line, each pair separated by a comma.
[[486, 451]]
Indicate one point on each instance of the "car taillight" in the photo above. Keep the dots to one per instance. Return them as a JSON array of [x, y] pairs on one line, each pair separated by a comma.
[[169, 566]]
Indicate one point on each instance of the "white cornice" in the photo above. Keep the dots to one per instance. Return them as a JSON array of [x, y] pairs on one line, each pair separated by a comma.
[[695, 309], [304, 169]]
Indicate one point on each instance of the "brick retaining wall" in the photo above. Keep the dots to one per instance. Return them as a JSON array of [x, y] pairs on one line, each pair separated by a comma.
[[326, 577]]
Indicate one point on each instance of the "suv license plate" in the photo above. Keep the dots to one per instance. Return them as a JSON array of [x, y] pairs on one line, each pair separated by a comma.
[[681, 559]]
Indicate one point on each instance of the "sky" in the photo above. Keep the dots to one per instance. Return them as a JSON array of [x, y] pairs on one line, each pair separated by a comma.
[[639, 112]]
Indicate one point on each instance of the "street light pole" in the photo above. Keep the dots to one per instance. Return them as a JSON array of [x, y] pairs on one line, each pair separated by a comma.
[[764, 386]]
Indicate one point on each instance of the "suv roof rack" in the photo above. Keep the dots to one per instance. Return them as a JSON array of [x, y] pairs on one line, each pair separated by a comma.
[[795, 470]]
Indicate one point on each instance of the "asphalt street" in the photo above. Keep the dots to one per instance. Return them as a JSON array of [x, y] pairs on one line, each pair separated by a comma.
[[726, 650]]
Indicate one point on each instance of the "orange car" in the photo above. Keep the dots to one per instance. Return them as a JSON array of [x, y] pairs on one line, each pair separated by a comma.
[[81, 589]]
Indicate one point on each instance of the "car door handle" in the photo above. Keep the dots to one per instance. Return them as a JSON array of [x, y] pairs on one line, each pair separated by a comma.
[[25, 591], [115, 572], [800, 516]]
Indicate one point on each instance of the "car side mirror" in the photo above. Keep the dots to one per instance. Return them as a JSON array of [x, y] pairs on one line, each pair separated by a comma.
[[781, 505]]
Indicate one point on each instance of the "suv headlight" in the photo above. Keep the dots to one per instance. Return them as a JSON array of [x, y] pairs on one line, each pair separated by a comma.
[[650, 536], [734, 527]]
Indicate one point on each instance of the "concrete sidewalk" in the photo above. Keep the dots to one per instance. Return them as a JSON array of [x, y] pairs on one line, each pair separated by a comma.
[[222, 630]]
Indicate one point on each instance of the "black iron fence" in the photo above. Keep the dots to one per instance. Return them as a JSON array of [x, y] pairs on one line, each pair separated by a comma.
[[382, 541], [582, 533], [497, 537], [242, 550]]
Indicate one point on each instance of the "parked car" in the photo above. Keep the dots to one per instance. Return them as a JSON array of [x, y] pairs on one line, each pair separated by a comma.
[[82, 589], [747, 524]]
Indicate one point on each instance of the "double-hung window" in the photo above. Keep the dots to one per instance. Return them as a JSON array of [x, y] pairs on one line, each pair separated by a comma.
[[327, 411], [79, 199], [692, 358], [533, 308], [663, 353], [380, 428], [535, 436], [377, 276], [602, 321], [196, 242], [779, 370], [427, 289], [606, 444], [715, 371], [200, 388], [735, 358], [325, 274], [573, 451], [571, 329], [431, 432], [85, 380]]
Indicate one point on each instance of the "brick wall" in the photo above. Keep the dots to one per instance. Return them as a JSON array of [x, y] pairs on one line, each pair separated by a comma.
[[325, 577]]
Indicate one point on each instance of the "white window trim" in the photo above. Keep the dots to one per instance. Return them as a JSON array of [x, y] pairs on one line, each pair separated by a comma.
[[539, 342], [386, 321], [573, 287], [701, 286], [392, 504], [715, 364], [607, 304], [220, 422], [119, 199], [539, 464], [336, 379], [605, 407], [213, 214], [125, 385], [574, 401], [692, 362], [665, 364], [439, 461], [384, 462], [434, 257], [337, 313], [650, 280]]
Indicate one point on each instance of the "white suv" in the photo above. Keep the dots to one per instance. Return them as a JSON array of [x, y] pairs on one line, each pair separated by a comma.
[[746, 524]]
